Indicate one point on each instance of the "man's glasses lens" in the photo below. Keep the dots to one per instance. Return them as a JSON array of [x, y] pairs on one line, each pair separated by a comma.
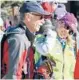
[[41, 17]]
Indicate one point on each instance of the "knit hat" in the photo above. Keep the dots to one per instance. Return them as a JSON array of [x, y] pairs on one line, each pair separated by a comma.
[[60, 11], [47, 6], [70, 20]]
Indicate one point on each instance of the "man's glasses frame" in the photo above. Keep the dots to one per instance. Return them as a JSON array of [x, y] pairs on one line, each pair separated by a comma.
[[37, 14]]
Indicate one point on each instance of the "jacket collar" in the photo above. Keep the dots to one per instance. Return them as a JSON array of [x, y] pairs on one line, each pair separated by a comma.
[[29, 35]]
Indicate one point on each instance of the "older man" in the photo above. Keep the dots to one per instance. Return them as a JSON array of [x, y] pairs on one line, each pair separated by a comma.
[[17, 45]]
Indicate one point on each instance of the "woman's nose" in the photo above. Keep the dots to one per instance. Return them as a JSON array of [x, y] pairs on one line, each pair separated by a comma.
[[64, 31]]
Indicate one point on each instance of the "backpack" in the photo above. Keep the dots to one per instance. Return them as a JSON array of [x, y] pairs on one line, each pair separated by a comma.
[[45, 70]]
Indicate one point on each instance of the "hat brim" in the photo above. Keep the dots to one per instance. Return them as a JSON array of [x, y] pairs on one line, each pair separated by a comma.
[[44, 13]]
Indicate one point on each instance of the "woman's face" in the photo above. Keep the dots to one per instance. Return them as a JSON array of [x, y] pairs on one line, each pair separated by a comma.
[[62, 31]]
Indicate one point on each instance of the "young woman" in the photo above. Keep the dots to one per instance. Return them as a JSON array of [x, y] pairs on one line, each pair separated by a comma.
[[62, 51]]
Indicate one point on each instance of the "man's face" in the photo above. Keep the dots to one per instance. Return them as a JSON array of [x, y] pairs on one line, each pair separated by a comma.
[[35, 21]]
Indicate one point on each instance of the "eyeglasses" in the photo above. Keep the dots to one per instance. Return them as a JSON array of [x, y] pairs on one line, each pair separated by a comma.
[[67, 27], [70, 30], [36, 14]]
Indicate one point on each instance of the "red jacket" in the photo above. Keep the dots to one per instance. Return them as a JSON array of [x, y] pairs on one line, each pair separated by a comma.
[[76, 72]]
